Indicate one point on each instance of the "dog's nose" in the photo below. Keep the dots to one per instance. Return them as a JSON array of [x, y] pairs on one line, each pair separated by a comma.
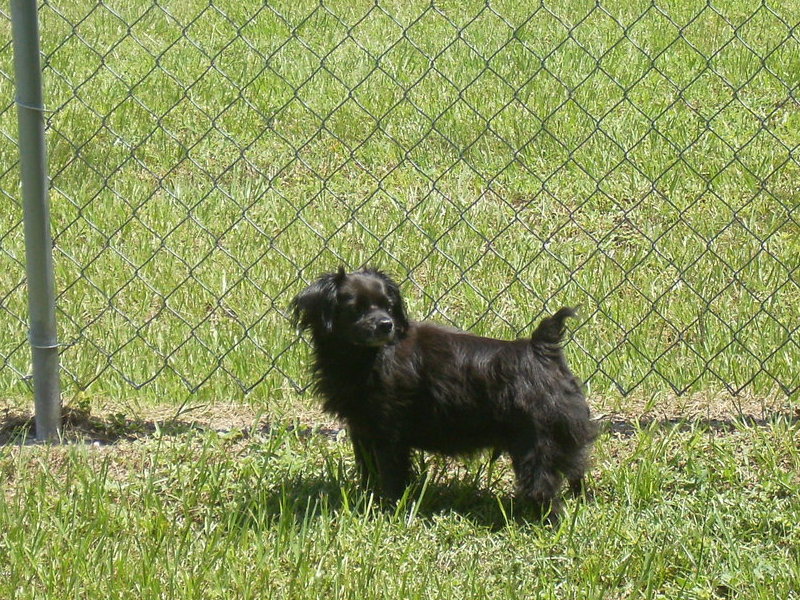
[[384, 326]]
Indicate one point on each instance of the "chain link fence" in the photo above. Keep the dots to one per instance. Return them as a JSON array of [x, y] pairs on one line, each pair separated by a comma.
[[500, 159]]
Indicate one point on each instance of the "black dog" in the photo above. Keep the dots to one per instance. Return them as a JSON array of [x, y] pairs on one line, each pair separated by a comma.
[[400, 385]]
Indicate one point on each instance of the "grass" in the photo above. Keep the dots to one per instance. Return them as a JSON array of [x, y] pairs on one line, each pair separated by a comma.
[[678, 512], [500, 161]]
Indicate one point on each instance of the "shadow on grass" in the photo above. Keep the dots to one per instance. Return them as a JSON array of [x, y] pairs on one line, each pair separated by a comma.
[[306, 499], [334, 492]]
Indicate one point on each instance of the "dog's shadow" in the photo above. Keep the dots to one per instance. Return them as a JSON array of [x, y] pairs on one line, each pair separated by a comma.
[[305, 499]]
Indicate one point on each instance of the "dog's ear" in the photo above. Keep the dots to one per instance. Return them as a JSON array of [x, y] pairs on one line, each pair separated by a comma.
[[314, 307], [340, 275]]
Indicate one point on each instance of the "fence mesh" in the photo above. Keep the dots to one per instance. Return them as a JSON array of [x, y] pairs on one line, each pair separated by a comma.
[[500, 159]]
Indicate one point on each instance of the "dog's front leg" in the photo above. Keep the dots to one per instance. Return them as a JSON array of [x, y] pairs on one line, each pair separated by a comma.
[[384, 468], [366, 461], [538, 481], [394, 470]]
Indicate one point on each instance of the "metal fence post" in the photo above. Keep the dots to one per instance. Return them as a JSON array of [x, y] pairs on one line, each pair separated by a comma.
[[38, 240]]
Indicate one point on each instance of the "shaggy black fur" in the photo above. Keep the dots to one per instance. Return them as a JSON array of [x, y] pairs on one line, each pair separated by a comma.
[[400, 385]]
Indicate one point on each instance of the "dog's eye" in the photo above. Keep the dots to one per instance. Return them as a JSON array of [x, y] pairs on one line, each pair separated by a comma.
[[348, 304]]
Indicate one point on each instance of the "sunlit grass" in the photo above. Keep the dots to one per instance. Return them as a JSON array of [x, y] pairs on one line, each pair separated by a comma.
[[679, 513], [500, 160]]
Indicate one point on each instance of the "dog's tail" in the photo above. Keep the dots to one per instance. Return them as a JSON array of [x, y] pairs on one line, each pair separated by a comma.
[[550, 331]]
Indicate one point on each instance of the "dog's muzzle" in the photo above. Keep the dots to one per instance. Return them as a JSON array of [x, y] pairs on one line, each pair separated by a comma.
[[379, 332]]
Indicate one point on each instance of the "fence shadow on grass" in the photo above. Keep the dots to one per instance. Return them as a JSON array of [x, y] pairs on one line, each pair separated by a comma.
[[80, 426], [631, 427]]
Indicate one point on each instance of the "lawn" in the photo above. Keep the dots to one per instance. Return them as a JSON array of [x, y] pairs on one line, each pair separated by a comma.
[[500, 159]]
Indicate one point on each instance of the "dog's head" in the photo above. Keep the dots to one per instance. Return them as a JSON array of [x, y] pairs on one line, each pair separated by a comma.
[[363, 308]]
